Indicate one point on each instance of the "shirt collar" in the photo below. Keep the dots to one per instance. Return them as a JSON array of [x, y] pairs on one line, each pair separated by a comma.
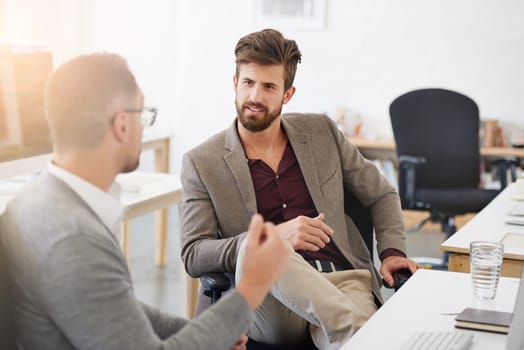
[[106, 205]]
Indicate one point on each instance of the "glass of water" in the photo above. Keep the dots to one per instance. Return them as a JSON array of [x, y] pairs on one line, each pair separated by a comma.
[[485, 263]]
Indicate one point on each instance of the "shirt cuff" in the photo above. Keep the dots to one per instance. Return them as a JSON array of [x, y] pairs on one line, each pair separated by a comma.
[[391, 252]]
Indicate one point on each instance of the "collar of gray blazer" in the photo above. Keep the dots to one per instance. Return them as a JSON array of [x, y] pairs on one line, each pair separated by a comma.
[[61, 189]]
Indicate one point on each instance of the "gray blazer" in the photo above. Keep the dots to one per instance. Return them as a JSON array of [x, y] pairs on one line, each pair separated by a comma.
[[72, 288], [219, 197]]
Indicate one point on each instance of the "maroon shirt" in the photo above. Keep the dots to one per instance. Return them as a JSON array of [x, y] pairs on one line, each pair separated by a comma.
[[283, 195]]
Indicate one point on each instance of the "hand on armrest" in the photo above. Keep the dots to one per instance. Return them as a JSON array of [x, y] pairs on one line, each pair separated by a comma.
[[396, 270], [400, 277]]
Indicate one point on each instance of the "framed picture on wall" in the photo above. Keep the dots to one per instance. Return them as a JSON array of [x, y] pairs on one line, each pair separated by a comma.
[[290, 13]]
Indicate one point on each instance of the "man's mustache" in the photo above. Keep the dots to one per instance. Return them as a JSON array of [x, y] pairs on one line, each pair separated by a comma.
[[255, 105]]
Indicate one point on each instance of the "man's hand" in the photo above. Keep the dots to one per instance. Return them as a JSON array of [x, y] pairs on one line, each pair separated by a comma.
[[265, 260], [395, 263], [306, 233], [241, 343]]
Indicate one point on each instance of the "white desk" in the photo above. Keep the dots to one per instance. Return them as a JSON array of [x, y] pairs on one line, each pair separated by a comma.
[[488, 225], [157, 192], [429, 301]]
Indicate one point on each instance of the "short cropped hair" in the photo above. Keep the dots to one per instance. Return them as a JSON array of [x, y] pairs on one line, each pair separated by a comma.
[[269, 47], [81, 97]]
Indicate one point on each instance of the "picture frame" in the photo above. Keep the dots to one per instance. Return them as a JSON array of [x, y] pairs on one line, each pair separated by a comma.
[[299, 14]]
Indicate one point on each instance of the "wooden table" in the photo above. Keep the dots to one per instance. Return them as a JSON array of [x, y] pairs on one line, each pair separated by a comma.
[[159, 144], [389, 146]]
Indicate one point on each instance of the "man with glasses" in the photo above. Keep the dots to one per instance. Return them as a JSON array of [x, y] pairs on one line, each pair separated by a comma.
[[147, 115], [70, 282]]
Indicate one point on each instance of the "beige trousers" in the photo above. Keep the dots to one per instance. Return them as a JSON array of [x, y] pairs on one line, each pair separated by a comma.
[[331, 306]]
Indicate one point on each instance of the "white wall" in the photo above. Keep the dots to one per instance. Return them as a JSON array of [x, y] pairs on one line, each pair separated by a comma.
[[57, 25], [143, 32], [369, 52]]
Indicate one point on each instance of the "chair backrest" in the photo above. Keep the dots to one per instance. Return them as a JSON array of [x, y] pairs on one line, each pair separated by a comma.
[[443, 127], [7, 331], [361, 217]]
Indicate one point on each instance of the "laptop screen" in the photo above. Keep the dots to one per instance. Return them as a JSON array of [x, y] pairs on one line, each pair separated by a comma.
[[516, 329]]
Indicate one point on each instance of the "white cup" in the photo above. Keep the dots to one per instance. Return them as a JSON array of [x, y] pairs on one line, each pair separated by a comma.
[[485, 263]]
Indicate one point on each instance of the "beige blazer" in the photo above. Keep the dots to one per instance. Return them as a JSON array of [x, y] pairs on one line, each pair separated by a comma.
[[219, 197]]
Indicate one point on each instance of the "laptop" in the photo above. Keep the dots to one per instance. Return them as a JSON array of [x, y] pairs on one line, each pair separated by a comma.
[[515, 339]]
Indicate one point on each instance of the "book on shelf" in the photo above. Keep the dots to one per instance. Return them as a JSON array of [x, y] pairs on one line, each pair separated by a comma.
[[484, 320]]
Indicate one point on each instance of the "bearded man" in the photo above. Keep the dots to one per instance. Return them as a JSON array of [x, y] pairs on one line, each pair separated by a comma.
[[293, 169]]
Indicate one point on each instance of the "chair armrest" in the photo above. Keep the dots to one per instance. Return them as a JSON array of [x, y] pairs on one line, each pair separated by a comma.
[[214, 284], [400, 277], [215, 281], [503, 165], [411, 160], [407, 179]]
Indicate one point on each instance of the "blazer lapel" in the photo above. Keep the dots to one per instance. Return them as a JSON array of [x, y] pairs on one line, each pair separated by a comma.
[[236, 160], [301, 144]]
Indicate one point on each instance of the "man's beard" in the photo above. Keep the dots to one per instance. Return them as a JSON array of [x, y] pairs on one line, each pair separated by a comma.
[[255, 124]]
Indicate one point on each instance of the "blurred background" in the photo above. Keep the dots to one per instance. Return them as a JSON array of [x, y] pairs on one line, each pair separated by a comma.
[[358, 55]]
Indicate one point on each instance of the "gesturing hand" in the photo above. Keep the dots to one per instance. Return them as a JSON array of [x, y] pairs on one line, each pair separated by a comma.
[[306, 233], [241, 343]]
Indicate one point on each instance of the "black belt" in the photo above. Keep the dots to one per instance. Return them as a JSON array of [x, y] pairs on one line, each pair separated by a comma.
[[326, 266]]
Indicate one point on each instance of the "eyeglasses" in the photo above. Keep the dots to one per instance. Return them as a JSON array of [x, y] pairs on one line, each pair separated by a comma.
[[147, 115]]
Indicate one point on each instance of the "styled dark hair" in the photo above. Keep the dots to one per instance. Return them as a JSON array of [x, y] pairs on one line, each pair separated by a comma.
[[269, 47]]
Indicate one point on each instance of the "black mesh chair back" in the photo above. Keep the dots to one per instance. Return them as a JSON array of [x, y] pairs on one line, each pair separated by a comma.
[[443, 127], [437, 136], [361, 217]]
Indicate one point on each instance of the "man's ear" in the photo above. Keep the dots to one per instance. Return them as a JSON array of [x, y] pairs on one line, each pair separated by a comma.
[[288, 94], [235, 82], [120, 127]]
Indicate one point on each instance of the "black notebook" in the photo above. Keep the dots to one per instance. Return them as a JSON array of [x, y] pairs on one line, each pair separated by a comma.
[[484, 320]]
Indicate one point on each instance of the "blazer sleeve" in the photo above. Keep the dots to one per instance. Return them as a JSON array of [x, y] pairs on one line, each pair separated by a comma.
[[202, 249], [86, 291], [364, 180]]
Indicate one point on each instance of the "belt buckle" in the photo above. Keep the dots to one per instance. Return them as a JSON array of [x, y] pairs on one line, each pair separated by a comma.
[[323, 266]]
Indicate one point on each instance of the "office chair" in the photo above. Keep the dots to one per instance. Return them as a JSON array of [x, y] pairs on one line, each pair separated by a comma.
[[437, 136], [7, 330], [216, 283]]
